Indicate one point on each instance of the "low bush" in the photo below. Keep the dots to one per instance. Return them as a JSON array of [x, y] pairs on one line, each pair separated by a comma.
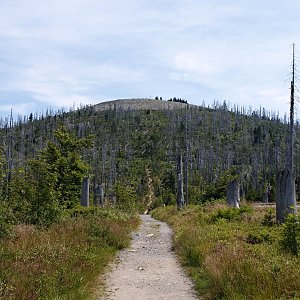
[[269, 218], [291, 235], [231, 213], [6, 218]]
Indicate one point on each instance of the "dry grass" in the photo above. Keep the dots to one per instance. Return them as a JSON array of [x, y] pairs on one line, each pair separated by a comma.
[[64, 261], [232, 255]]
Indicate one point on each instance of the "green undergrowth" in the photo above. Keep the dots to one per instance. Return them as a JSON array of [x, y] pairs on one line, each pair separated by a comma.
[[65, 260], [234, 253]]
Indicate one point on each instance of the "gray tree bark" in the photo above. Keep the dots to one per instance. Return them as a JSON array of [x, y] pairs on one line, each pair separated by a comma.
[[285, 180], [186, 162], [285, 195], [180, 195], [85, 194], [233, 194], [99, 195]]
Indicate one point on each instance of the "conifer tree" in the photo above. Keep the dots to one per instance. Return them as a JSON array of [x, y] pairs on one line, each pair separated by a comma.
[[63, 159]]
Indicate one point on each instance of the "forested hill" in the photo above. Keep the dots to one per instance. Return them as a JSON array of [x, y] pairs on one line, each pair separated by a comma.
[[129, 137]]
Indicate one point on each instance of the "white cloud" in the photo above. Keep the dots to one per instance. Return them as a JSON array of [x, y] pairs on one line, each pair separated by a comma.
[[57, 52], [21, 108], [198, 64], [274, 97], [60, 81]]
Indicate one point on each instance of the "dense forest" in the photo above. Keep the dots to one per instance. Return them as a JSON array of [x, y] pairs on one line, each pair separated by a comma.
[[52, 153]]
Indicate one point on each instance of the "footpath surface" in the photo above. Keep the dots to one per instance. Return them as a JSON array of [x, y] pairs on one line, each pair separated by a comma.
[[148, 269]]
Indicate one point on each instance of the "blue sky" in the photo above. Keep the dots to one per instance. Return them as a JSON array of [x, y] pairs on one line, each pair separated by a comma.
[[62, 53]]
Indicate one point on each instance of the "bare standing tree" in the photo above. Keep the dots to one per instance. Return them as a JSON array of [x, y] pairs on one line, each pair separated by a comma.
[[285, 180], [84, 201], [186, 162], [99, 195], [180, 195], [9, 151]]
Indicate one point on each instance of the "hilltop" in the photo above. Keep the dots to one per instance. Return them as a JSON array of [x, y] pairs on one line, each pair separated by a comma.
[[140, 104]]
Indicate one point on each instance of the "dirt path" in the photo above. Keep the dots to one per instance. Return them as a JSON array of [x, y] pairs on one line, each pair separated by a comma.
[[148, 269]]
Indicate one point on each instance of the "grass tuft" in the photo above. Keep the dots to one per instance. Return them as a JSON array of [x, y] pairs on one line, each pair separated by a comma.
[[65, 260], [233, 254]]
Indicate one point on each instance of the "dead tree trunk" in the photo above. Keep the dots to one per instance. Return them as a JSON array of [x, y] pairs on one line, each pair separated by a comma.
[[186, 179], [267, 192], [180, 195], [85, 194], [233, 194], [99, 195], [186, 163], [112, 176], [285, 189], [290, 180]]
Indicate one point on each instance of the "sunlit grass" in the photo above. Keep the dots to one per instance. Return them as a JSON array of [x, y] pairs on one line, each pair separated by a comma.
[[63, 261], [233, 254]]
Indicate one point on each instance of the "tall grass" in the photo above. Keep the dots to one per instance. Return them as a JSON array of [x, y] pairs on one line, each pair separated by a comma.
[[65, 260], [233, 254]]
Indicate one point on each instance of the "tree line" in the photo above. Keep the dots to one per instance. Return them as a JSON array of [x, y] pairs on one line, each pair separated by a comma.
[[206, 147]]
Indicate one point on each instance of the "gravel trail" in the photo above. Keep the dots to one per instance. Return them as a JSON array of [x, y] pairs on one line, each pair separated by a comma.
[[149, 268]]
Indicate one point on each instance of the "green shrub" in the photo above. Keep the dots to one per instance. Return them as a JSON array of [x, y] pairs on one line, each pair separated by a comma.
[[157, 202], [258, 237], [169, 198], [5, 227], [126, 197], [6, 220], [291, 234], [231, 213], [269, 218]]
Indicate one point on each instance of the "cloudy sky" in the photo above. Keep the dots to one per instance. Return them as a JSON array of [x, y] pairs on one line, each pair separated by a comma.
[[62, 53]]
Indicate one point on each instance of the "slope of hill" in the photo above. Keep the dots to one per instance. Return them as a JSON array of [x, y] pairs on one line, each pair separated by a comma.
[[131, 135]]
